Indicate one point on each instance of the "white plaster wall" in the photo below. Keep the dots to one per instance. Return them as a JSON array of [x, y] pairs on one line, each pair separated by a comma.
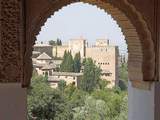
[[141, 103], [39, 71], [13, 102], [68, 79]]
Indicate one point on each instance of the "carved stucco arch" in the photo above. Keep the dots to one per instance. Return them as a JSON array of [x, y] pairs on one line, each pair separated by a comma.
[[138, 37]]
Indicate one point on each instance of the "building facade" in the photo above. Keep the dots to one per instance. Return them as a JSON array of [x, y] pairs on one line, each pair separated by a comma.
[[104, 55], [77, 45], [68, 77], [44, 64]]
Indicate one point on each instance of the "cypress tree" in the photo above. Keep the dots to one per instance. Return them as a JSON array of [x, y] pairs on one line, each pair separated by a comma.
[[91, 75], [62, 66], [77, 63], [67, 63]]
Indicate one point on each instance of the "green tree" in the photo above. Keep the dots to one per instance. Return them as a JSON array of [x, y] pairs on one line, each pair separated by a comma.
[[92, 110], [52, 42], [77, 63], [61, 85], [124, 72], [45, 103], [123, 110], [91, 75], [59, 42], [102, 84], [70, 63], [67, 64], [123, 82], [63, 64]]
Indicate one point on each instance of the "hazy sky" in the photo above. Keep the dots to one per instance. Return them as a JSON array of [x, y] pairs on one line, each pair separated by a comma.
[[82, 20]]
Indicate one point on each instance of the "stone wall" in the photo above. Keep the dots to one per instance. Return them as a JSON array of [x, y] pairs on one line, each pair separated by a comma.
[[58, 51], [107, 59]]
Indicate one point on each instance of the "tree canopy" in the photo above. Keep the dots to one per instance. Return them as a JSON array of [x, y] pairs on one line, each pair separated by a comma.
[[67, 64], [91, 75], [45, 103], [77, 62], [58, 42]]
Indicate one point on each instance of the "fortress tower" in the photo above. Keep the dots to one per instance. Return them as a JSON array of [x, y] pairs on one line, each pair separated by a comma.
[[77, 45]]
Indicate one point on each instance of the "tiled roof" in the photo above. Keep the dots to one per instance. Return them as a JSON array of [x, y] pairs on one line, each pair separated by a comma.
[[44, 56]]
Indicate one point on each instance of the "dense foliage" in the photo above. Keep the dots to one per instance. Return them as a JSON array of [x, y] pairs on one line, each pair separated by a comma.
[[45, 103], [91, 75], [69, 64], [61, 85], [58, 42], [123, 72], [91, 101], [77, 62]]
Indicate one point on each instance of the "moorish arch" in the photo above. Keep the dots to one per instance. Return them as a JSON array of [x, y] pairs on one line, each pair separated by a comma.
[[135, 29]]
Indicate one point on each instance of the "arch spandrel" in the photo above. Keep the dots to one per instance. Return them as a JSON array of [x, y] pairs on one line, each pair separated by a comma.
[[135, 29]]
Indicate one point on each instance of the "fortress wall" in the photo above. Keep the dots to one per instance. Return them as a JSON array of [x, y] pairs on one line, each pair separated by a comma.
[[106, 58], [77, 45], [59, 50]]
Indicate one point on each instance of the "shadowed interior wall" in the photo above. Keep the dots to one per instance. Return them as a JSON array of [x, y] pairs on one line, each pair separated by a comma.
[[13, 102]]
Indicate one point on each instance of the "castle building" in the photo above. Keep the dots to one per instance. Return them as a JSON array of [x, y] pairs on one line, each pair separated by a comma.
[[104, 55], [74, 45], [58, 51], [78, 45]]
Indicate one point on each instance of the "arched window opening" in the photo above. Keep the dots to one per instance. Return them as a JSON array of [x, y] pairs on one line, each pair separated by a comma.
[[68, 55]]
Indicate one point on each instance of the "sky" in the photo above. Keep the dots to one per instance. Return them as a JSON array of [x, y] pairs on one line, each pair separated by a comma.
[[82, 20]]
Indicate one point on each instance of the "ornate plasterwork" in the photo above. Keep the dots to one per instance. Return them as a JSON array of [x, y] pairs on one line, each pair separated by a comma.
[[10, 60]]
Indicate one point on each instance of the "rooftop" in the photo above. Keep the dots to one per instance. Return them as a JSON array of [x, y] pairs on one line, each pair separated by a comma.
[[66, 74], [42, 45], [44, 56]]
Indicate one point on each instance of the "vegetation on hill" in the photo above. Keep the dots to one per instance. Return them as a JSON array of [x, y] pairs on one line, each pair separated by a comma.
[[91, 75], [91, 101], [123, 72]]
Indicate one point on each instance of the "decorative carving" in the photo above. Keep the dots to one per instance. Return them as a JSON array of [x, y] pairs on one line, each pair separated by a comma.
[[0, 32], [10, 68]]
